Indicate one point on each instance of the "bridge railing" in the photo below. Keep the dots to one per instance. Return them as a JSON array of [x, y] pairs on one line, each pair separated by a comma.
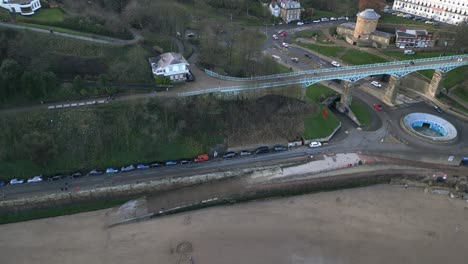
[[329, 70]]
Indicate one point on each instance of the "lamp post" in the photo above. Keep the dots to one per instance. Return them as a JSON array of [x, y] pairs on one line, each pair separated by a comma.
[[445, 47]]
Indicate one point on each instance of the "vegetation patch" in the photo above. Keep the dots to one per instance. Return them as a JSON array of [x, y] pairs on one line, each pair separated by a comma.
[[357, 57], [461, 92], [315, 125], [331, 51], [361, 111], [455, 76]]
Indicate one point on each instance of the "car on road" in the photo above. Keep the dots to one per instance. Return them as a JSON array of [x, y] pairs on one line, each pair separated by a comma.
[[378, 107], [376, 84], [315, 144], [155, 164], [324, 19], [286, 45], [307, 55], [275, 37], [300, 23], [111, 170], [170, 163], [262, 150], [316, 21], [16, 181], [280, 148], [438, 109], [142, 166], [228, 155], [94, 172], [296, 60], [283, 34], [245, 153], [336, 64], [127, 168], [35, 179]]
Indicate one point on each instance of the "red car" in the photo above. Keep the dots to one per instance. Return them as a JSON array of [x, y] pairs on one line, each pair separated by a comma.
[[377, 107]]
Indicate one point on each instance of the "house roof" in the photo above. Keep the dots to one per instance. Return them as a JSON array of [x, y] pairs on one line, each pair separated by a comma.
[[411, 32], [368, 14], [382, 33], [166, 59], [351, 25]]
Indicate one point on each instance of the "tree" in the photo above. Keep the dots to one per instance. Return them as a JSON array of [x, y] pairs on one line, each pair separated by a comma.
[[10, 74], [377, 5], [78, 83], [39, 147], [461, 37]]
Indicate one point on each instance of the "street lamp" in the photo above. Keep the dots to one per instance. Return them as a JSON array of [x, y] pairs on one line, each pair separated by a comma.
[[445, 47]]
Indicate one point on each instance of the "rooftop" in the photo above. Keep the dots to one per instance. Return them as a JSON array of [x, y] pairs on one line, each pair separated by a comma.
[[368, 14]]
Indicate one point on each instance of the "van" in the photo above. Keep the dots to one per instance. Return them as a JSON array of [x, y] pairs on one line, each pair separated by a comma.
[[201, 158], [408, 52]]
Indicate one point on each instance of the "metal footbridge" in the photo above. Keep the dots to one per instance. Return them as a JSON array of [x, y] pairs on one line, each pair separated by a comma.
[[348, 73]]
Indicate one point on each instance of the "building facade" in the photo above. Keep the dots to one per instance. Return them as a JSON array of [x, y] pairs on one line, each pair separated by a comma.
[[413, 38], [23, 7], [447, 11], [290, 10], [171, 65], [275, 9]]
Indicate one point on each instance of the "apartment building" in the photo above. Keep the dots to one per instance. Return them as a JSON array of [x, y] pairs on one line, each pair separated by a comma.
[[447, 11]]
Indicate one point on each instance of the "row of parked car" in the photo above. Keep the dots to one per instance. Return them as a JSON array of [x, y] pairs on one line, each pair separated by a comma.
[[323, 19], [143, 166], [410, 16]]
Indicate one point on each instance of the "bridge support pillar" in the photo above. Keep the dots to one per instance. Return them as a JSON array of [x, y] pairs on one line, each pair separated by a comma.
[[434, 87], [392, 90], [346, 98]]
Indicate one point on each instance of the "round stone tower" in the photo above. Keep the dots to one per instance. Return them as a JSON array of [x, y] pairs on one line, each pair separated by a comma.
[[366, 23]]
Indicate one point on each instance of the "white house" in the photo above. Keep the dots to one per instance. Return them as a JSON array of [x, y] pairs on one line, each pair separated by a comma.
[[447, 11], [24, 7], [275, 9], [290, 10], [172, 65]]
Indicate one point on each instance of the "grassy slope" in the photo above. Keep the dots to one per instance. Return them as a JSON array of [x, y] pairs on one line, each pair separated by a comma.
[[331, 51], [361, 112], [357, 57], [462, 92], [316, 126]]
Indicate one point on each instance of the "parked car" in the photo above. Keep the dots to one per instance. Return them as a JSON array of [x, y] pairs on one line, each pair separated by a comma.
[[342, 18], [333, 19], [315, 144], [307, 55], [142, 167], [300, 23], [324, 19], [280, 148], [286, 45], [127, 168], [316, 21], [16, 181], [283, 34], [95, 172], [56, 177], [201, 158], [75, 175], [262, 150], [376, 84], [229, 155], [296, 60], [111, 170], [170, 163], [336, 64], [245, 153], [35, 179], [275, 37], [155, 164], [2, 183], [438, 109], [429, 22], [185, 161], [378, 107]]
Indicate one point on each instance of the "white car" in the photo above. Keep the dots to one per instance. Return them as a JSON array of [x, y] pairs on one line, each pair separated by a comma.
[[16, 181], [333, 18], [300, 23], [275, 37], [315, 144], [324, 19], [336, 64], [316, 21], [376, 84], [35, 179], [286, 45]]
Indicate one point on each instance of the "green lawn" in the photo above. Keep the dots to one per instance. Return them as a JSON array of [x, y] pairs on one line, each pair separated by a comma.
[[455, 76], [357, 57], [427, 73], [43, 15], [331, 51], [391, 19], [316, 126], [318, 34], [361, 111], [461, 92]]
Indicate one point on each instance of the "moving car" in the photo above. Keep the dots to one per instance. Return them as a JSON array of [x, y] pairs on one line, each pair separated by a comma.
[[296, 60], [245, 153], [300, 23], [378, 107], [307, 55], [286, 45], [275, 37], [142, 167], [35, 179], [229, 155], [280, 148], [283, 34], [315, 144], [376, 84], [127, 168], [336, 64], [16, 181], [438, 109], [111, 170], [262, 150]]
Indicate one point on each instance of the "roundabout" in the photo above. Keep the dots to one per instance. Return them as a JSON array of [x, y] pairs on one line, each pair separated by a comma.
[[429, 127]]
